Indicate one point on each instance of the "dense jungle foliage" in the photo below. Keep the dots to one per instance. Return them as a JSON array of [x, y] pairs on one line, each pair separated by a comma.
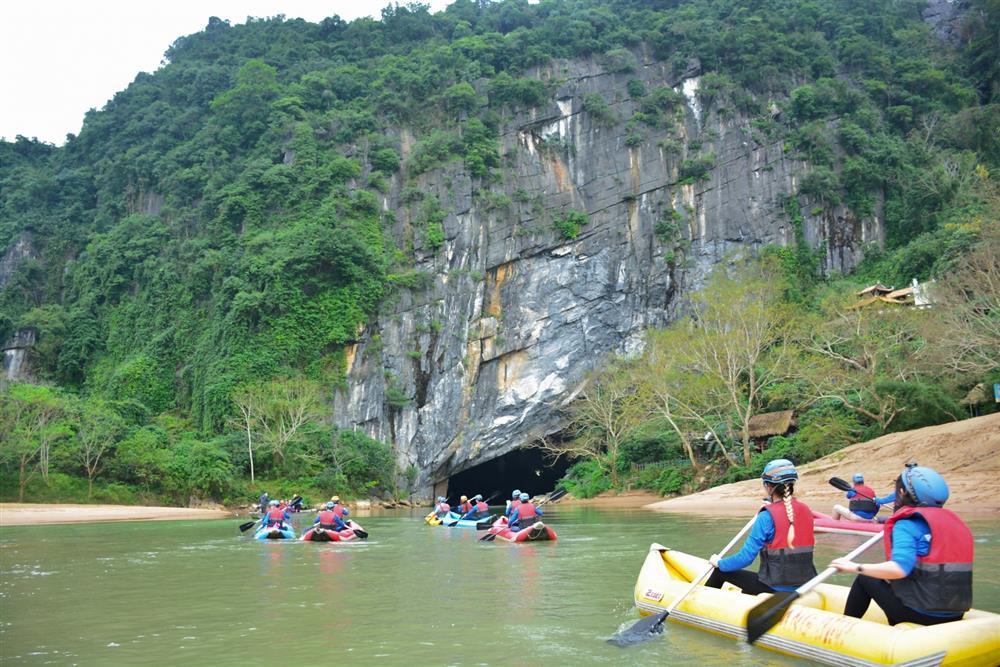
[[214, 236]]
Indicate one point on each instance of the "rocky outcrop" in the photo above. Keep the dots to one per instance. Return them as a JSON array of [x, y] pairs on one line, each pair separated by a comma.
[[516, 313], [16, 355], [18, 252]]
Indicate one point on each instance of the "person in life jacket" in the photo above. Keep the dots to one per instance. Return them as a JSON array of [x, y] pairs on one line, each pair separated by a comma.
[[782, 535], [864, 503], [340, 509], [464, 506], [515, 500], [276, 516], [525, 514], [442, 508], [478, 510], [330, 519], [927, 577]]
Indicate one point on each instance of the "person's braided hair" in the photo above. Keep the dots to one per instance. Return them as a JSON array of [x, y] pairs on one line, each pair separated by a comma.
[[786, 498]]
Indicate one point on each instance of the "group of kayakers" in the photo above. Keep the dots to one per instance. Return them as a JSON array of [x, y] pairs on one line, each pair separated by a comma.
[[333, 516], [520, 511], [925, 579]]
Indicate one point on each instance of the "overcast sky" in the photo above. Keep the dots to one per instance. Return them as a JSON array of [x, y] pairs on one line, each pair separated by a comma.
[[59, 58]]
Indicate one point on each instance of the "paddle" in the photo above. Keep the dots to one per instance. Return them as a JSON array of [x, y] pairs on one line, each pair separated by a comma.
[[843, 485], [769, 613], [552, 497], [244, 527], [646, 627]]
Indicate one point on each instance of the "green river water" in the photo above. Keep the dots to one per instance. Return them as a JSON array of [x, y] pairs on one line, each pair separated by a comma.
[[198, 593]]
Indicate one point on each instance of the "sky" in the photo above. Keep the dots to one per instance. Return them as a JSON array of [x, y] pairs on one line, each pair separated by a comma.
[[60, 58]]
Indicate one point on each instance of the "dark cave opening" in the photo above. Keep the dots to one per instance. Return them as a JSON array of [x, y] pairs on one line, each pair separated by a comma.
[[527, 469]]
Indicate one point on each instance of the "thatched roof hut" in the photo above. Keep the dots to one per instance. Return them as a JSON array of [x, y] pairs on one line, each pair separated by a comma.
[[771, 423]]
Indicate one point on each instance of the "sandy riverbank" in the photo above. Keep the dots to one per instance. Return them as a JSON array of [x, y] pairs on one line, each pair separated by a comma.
[[966, 452], [23, 514]]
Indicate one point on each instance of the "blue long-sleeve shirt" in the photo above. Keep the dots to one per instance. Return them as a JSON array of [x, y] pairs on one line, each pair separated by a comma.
[[911, 538], [761, 534]]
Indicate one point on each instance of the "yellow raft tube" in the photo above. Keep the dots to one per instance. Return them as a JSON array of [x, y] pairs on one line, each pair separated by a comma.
[[814, 626]]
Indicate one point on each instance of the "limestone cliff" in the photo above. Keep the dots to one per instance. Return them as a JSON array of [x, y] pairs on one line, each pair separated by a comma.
[[481, 360]]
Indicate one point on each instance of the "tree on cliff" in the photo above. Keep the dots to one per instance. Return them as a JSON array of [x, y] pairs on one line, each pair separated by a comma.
[[738, 345], [602, 418]]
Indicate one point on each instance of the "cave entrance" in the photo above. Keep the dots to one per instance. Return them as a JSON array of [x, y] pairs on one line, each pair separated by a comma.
[[527, 469]]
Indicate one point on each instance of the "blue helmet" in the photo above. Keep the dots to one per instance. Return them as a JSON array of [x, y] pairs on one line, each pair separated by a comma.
[[780, 471], [478, 496], [330, 505], [525, 497], [516, 494], [925, 485], [273, 503], [440, 499], [859, 478]]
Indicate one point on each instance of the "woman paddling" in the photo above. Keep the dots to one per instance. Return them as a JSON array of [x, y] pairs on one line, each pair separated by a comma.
[[782, 535], [927, 578]]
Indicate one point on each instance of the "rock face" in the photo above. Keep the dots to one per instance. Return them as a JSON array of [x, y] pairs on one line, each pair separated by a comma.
[[516, 313], [17, 252]]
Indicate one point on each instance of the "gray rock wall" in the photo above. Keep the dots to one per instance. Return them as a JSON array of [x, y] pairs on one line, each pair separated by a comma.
[[482, 361]]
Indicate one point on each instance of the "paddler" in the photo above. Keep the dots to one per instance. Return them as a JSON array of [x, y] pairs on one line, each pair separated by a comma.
[[464, 506], [330, 519], [515, 500], [524, 514], [442, 508], [927, 578], [340, 509], [479, 509], [782, 535], [864, 504], [276, 515]]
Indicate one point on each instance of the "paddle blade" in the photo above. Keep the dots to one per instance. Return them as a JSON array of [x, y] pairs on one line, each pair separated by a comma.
[[488, 537], [244, 527], [556, 495], [841, 484], [643, 629], [768, 613], [361, 533]]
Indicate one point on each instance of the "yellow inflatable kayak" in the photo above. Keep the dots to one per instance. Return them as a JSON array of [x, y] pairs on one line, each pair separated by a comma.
[[815, 627], [432, 520]]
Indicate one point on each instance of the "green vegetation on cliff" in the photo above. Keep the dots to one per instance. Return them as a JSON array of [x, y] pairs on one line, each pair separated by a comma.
[[221, 222]]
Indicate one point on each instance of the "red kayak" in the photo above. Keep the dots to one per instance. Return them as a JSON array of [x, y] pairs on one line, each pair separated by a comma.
[[824, 523], [536, 532], [352, 532]]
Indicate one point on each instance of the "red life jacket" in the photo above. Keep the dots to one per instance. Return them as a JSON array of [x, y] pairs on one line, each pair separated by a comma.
[[864, 500], [276, 515], [482, 507], [338, 509], [781, 564], [941, 580], [328, 519], [465, 508], [526, 512], [441, 509]]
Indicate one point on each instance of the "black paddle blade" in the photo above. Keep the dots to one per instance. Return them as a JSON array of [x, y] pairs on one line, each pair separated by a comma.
[[556, 495], [244, 527], [841, 484], [488, 537], [486, 523], [361, 533], [643, 629], [768, 613]]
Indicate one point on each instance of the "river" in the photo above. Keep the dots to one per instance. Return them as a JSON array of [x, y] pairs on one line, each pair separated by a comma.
[[160, 593]]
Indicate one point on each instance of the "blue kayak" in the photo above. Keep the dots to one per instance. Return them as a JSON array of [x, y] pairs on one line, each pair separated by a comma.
[[275, 533], [453, 520]]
